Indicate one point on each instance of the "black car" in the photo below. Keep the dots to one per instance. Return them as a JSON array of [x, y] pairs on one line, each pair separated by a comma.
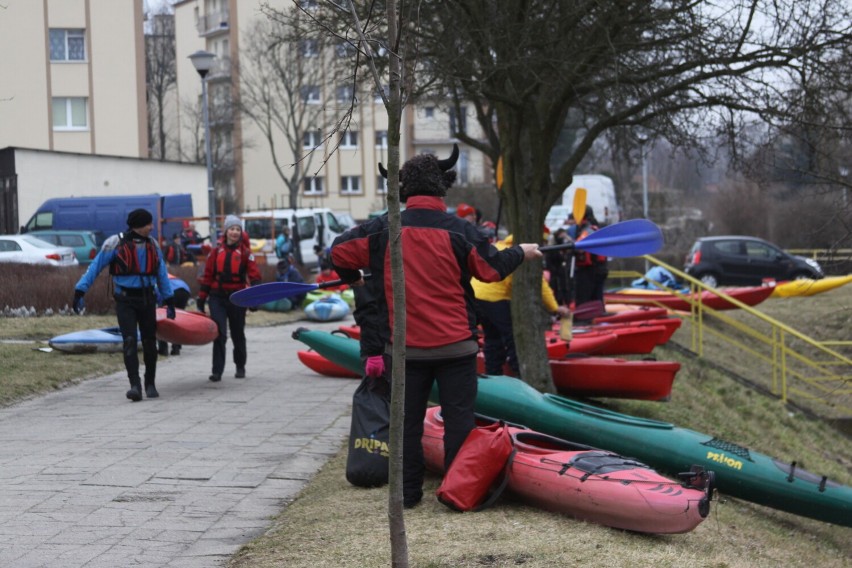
[[745, 261]]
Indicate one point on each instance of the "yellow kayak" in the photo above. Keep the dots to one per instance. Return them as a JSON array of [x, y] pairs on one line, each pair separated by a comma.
[[809, 287]]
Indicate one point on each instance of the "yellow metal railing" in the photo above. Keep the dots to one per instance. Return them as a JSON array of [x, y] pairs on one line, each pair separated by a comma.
[[824, 255], [802, 370]]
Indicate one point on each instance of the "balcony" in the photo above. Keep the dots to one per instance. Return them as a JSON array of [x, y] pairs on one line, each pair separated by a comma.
[[213, 23]]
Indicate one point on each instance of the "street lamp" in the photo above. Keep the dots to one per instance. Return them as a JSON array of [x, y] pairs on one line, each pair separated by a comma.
[[203, 62], [643, 139]]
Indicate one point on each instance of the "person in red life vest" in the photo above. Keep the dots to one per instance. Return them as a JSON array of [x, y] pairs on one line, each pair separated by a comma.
[[230, 267], [175, 252], [138, 270], [590, 270], [326, 271], [440, 254]]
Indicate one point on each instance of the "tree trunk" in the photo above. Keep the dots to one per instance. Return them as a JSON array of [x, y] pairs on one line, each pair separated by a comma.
[[526, 185], [396, 517]]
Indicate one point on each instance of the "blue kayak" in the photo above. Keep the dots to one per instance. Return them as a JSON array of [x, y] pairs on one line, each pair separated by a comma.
[[107, 340]]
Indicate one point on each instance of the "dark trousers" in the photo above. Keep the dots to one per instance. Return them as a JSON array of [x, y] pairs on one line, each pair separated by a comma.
[[181, 298], [138, 312], [499, 347], [226, 315], [457, 384], [589, 281]]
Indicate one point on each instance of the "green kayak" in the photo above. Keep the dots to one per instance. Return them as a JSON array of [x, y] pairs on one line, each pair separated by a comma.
[[740, 472]]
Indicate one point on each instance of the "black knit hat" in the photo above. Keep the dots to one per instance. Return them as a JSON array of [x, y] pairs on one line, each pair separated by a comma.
[[139, 218]]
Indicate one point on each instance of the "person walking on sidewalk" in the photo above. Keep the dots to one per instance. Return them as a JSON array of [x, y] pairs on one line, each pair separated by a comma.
[[137, 267], [230, 267]]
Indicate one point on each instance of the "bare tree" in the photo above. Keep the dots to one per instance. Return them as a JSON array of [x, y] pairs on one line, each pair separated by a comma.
[[682, 70], [161, 78], [224, 153], [378, 46], [280, 92]]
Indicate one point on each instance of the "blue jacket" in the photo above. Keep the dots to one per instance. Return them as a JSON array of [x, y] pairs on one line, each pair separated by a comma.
[[107, 255]]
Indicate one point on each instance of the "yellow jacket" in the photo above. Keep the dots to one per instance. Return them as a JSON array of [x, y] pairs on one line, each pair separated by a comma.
[[502, 290]]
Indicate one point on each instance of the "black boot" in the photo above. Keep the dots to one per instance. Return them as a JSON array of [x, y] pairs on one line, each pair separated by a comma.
[[175, 349], [162, 348], [135, 392], [150, 389]]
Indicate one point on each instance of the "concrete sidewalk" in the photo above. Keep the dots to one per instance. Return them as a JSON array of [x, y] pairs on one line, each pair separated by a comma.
[[88, 478]]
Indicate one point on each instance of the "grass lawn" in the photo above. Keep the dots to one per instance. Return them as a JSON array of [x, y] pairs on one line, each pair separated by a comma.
[[333, 524]]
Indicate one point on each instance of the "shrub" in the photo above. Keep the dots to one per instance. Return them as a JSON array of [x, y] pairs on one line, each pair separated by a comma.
[[44, 290]]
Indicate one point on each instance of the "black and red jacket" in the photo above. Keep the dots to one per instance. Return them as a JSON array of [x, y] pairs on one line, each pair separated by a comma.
[[440, 254], [228, 269]]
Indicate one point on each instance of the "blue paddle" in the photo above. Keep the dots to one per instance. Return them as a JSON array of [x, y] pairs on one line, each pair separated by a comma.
[[629, 238], [620, 240]]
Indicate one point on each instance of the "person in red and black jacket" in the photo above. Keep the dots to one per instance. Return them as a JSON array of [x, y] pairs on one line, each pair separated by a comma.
[[230, 267], [591, 270], [441, 253]]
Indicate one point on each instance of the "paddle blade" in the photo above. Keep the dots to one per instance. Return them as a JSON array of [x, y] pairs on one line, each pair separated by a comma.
[[579, 205], [269, 292], [628, 238]]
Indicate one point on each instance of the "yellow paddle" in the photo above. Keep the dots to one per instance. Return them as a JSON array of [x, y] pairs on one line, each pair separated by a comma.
[[566, 328], [579, 205]]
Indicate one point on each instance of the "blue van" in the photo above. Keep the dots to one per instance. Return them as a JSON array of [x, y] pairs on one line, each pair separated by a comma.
[[108, 214]]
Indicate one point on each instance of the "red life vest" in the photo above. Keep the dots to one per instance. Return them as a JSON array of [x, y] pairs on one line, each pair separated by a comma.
[[126, 261], [229, 270], [587, 258]]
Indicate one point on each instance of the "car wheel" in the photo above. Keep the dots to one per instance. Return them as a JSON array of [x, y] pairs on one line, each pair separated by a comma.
[[802, 276], [709, 279]]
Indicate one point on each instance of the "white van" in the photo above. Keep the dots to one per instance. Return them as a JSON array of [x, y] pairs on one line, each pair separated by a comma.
[[308, 227], [600, 195]]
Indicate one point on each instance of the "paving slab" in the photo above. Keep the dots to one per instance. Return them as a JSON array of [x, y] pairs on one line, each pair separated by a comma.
[[89, 479]]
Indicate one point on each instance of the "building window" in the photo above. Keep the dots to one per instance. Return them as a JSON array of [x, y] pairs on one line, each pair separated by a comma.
[[309, 48], [308, 4], [67, 45], [381, 185], [70, 113], [429, 112], [463, 166], [311, 138], [349, 139], [311, 94], [350, 184], [381, 138], [458, 123], [313, 185], [344, 94]]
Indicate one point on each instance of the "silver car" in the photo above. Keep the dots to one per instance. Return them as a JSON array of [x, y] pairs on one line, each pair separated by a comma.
[[26, 249]]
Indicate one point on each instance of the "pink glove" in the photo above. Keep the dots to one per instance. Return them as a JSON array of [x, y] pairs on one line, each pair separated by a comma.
[[375, 366]]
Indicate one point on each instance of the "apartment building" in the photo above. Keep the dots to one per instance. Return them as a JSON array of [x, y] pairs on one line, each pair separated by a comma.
[[340, 166], [73, 76]]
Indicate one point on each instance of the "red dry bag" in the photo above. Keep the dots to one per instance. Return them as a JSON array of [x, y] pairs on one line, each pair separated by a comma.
[[482, 457]]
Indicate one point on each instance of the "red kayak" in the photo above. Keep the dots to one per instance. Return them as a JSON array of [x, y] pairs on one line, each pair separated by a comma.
[[352, 331], [670, 324], [628, 340], [188, 328], [634, 313], [634, 340], [584, 341], [749, 295], [590, 484], [316, 362], [614, 378]]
